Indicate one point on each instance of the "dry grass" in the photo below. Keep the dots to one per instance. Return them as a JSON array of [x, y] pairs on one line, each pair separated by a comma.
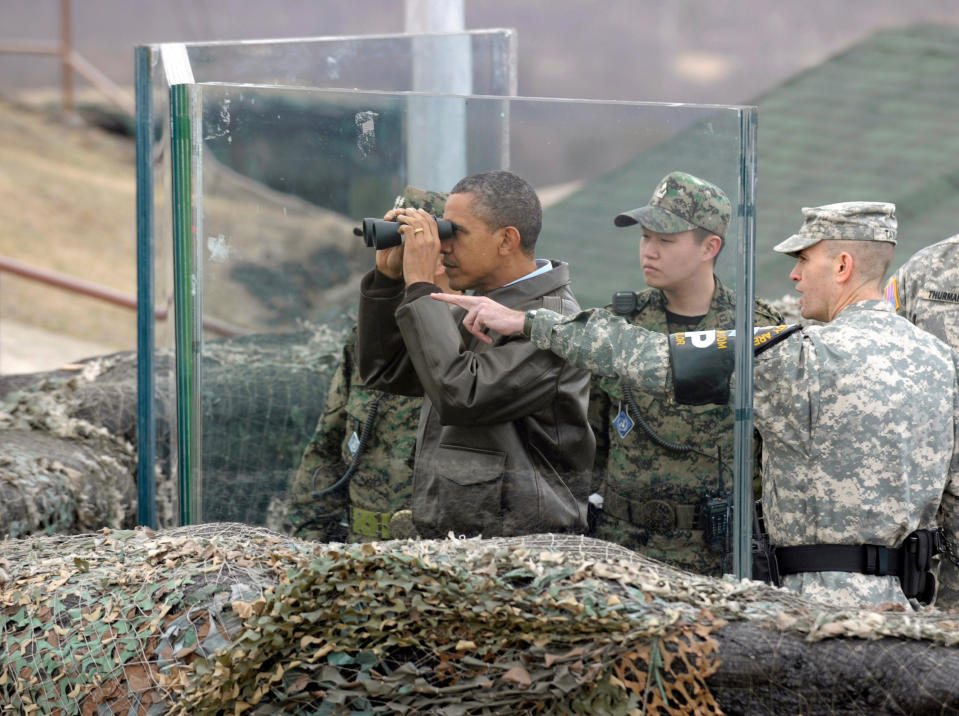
[[67, 204]]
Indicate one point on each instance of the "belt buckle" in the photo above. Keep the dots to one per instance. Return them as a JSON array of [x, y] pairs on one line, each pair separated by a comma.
[[370, 524], [658, 515]]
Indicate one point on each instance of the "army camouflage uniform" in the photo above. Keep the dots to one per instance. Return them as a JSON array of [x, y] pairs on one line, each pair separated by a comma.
[[382, 484], [926, 290], [859, 419], [651, 495], [383, 481]]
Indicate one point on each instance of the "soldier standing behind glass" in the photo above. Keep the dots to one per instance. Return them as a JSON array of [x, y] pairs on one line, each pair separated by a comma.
[[362, 510], [859, 415], [655, 482]]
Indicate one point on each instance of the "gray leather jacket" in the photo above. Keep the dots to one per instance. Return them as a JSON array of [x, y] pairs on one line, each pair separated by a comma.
[[503, 446]]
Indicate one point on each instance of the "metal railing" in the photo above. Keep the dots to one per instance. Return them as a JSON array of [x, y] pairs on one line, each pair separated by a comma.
[[71, 62], [104, 293]]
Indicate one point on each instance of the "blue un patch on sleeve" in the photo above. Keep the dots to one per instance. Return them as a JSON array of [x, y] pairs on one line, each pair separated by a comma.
[[623, 423]]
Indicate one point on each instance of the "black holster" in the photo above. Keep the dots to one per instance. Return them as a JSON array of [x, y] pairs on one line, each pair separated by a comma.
[[918, 550], [765, 567]]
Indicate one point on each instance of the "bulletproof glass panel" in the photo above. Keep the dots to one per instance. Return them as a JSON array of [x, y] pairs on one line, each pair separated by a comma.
[[485, 63], [270, 184]]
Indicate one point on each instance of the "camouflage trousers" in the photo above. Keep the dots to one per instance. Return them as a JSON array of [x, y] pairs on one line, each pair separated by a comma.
[[685, 549]]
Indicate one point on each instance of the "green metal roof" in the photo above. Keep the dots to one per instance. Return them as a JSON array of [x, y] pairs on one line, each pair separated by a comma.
[[877, 122]]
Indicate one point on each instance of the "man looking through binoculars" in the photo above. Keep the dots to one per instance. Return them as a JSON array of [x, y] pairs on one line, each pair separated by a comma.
[[504, 446]]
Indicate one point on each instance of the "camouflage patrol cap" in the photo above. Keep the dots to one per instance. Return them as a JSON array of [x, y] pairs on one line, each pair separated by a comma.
[[413, 197], [846, 221], [682, 202]]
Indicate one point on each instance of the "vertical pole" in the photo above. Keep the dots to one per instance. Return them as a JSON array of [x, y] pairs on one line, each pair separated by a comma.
[[183, 281], [434, 16], [743, 400], [441, 65], [66, 50], [146, 411]]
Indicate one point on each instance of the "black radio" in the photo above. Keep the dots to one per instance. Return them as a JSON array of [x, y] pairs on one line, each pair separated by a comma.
[[716, 510]]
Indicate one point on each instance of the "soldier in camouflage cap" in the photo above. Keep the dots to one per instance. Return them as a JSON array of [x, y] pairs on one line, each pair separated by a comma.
[[863, 230], [682, 202], [653, 493], [382, 482], [859, 415], [848, 221]]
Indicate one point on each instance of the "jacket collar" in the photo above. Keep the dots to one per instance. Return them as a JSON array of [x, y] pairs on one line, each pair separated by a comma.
[[532, 287]]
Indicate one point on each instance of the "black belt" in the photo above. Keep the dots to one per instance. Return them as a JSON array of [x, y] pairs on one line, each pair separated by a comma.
[[911, 562], [864, 558]]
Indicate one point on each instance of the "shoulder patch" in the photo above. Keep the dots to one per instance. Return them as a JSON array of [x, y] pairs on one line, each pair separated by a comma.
[[891, 294]]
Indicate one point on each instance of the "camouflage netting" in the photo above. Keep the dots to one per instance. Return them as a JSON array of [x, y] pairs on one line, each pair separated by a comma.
[[61, 470], [69, 458], [232, 619]]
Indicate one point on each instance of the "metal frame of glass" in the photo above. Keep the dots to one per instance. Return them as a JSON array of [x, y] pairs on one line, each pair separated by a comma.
[[743, 488], [630, 145], [386, 62]]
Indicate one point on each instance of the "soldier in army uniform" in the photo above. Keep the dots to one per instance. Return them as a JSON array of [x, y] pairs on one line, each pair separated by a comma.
[[654, 480], [381, 483], [859, 415], [926, 290]]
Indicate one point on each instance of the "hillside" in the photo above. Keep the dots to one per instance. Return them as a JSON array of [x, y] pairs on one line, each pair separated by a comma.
[[67, 204], [876, 122]]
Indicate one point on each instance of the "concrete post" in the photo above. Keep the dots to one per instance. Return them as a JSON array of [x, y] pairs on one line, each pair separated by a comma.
[[436, 134]]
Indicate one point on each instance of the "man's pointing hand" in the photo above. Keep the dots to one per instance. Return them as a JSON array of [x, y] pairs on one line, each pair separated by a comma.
[[483, 313]]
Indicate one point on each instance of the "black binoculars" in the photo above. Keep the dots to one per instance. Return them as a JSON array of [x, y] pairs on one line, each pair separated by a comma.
[[382, 234]]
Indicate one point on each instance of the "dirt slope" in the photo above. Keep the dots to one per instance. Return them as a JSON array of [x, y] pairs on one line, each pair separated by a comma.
[[67, 203]]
